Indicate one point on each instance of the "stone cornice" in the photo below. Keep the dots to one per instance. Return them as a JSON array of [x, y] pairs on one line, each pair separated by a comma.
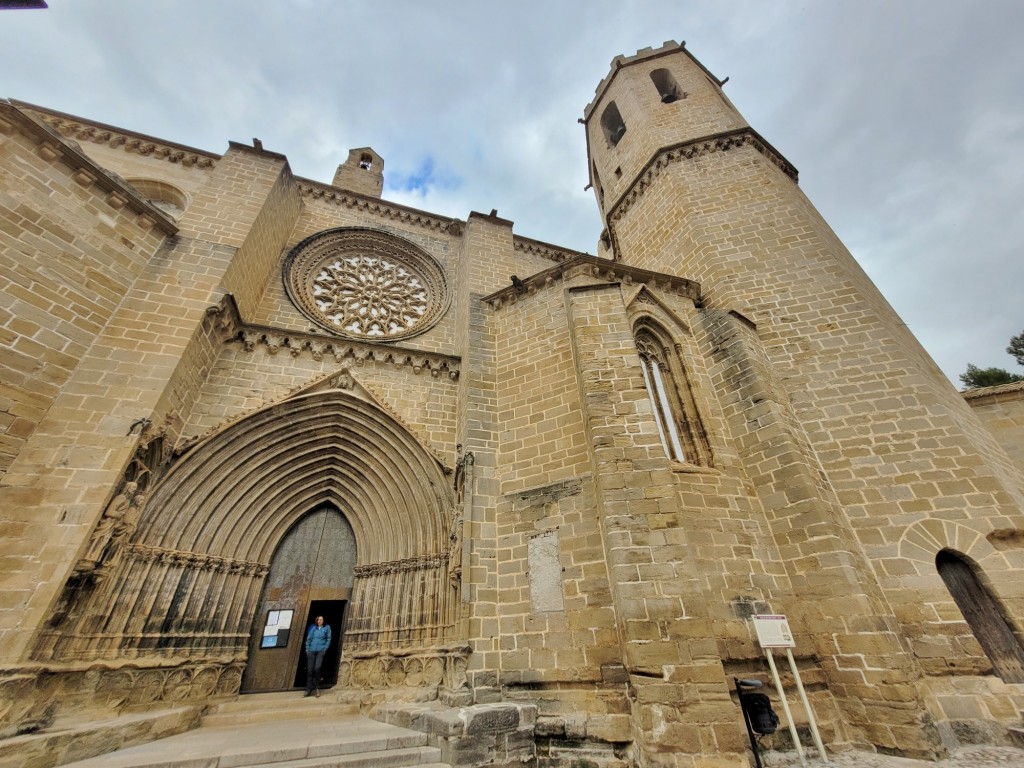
[[78, 129], [274, 340], [51, 146], [544, 250], [1012, 391], [376, 206], [297, 342], [688, 150], [593, 266]]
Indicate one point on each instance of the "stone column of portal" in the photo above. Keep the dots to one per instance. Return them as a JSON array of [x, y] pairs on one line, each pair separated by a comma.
[[681, 709], [876, 682]]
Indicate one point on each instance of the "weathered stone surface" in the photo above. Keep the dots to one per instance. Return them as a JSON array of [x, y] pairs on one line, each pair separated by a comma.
[[568, 492]]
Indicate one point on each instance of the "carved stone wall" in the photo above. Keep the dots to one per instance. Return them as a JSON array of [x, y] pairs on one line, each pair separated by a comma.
[[32, 695], [402, 603], [435, 668]]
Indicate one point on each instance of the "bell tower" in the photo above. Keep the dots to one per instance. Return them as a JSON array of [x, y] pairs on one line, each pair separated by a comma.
[[654, 101], [839, 419]]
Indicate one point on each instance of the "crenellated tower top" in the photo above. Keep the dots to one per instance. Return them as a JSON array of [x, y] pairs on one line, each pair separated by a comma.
[[658, 101]]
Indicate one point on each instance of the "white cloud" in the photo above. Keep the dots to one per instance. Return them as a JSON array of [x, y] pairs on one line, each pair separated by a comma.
[[905, 119]]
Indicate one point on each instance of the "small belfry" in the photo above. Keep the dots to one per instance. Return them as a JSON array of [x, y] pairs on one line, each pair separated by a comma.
[[529, 490]]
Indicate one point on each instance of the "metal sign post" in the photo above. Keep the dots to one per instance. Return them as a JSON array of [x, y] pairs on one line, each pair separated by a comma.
[[773, 632]]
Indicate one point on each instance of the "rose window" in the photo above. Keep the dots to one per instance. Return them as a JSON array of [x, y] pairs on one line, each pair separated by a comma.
[[364, 284]]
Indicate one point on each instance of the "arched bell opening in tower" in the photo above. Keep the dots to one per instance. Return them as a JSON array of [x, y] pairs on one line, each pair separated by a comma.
[[667, 86], [612, 124]]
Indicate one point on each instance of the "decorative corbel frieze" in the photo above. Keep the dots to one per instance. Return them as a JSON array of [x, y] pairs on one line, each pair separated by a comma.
[[314, 190], [298, 343]]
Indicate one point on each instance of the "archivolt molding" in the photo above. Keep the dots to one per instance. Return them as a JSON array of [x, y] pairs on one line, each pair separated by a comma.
[[722, 142], [97, 133], [645, 302], [346, 380], [376, 206], [338, 380], [188, 581], [592, 266], [416, 433], [923, 540], [225, 496]]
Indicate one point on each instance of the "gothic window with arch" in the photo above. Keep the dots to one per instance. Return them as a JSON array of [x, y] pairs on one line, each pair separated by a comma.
[[675, 412]]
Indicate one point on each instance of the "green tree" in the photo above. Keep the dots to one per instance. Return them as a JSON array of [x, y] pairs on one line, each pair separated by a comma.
[[987, 377], [1016, 347]]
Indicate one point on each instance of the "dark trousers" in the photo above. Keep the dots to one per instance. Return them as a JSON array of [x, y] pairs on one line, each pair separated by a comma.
[[314, 660]]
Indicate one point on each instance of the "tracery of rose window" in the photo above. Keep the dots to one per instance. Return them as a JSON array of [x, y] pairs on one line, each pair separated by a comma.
[[369, 296], [366, 284]]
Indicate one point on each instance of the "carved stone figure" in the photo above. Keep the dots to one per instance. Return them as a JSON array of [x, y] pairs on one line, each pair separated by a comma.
[[111, 524]]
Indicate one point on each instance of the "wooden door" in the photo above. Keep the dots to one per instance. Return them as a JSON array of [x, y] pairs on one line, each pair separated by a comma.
[[314, 562], [984, 615]]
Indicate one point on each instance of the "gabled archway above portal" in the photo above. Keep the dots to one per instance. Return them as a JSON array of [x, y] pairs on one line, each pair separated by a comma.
[[187, 582]]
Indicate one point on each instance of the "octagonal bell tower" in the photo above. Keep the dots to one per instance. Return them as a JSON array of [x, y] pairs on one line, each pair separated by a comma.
[[850, 436], [655, 100]]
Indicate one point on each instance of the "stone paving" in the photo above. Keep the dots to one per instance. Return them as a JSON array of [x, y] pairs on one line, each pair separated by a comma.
[[968, 757]]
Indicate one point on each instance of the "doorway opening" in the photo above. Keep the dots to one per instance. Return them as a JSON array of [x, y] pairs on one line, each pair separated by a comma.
[[311, 574], [984, 614], [333, 612]]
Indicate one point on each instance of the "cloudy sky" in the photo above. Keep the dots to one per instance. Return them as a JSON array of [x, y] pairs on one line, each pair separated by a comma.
[[904, 117]]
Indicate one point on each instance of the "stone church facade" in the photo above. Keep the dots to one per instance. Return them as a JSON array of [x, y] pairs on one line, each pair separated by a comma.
[[505, 471]]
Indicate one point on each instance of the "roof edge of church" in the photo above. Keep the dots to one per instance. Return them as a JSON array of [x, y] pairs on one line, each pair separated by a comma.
[[91, 171]]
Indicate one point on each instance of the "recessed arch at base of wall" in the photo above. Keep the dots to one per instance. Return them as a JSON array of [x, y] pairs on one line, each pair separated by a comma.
[[984, 613], [923, 540], [957, 596]]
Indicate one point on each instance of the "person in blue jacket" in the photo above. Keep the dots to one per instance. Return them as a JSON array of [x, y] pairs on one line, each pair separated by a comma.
[[318, 640]]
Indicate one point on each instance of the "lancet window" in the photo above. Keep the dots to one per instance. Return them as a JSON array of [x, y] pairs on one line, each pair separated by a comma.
[[675, 411]]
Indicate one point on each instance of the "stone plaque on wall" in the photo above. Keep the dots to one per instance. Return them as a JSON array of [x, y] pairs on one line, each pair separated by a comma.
[[545, 574]]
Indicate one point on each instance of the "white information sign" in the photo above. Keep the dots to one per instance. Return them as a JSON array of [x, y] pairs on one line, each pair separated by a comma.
[[773, 631]]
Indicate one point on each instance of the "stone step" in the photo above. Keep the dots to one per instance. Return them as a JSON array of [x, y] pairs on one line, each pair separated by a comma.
[[269, 707], [389, 758], [79, 737], [346, 740]]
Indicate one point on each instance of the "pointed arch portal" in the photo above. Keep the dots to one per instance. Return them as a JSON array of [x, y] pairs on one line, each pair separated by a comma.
[[190, 581], [311, 575]]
